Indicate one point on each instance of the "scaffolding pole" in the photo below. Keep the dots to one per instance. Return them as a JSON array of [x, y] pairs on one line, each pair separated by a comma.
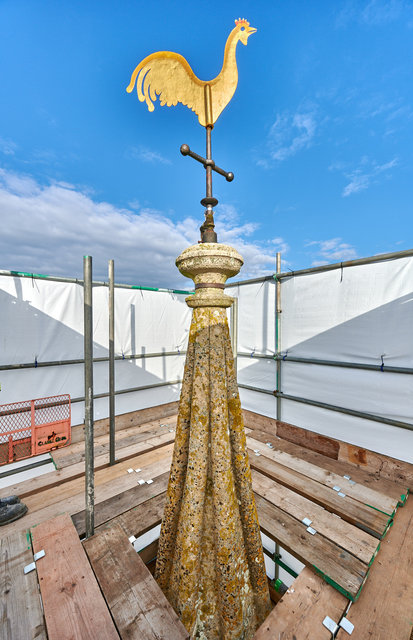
[[95, 283], [111, 276], [58, 363], [88, 355], [383, 368], [382, 257], [332, 407], [278, 331], [234, 333]]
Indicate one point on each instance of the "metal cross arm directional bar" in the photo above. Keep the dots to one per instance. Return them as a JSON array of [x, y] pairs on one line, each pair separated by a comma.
[[186, 151], [207, 229]]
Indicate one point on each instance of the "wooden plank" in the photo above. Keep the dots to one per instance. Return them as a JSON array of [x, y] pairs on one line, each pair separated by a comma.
[[384, 466], [76, 452], [60, 476], [147, 462], [113, 486], [308, 439], [300, 613], [364, 517], [118, 504], [313, 550], [363, 476], [150, 442], [136, 602], [74, 608], [149, 553], [126, 420], [144, 517], [21, 614], [344, 535], [384, 610], [362, 494]]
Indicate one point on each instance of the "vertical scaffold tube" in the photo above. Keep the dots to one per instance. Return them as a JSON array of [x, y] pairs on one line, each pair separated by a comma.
[[278, 350], [111, 362], [278, 332], [88, 355], [234, 332]]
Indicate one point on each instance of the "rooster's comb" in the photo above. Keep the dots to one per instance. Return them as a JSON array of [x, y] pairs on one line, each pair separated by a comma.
[[241, 22]]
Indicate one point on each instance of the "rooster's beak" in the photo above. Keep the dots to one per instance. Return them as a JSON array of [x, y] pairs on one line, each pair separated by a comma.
[[251, 30]]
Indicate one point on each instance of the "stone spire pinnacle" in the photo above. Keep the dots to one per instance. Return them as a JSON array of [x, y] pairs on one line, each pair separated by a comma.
[[210, 562]]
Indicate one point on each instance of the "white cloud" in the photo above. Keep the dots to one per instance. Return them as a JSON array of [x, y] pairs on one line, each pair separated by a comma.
[[366, 174], [290, 133], [373, 12], [378, 12], [7, 146], [147, 155], [333, 250], [47, 229]]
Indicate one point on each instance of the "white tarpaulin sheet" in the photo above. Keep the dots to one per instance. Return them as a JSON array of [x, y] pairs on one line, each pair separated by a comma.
[[360, 314], [42, 321]]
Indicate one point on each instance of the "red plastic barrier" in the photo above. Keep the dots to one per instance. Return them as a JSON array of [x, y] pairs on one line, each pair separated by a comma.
[[31, 427]]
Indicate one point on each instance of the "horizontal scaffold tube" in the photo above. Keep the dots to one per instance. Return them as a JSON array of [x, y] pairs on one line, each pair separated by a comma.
[[97, 396], [331, 363], [57, 363], [332, 407], [95, 283], [327, 267]]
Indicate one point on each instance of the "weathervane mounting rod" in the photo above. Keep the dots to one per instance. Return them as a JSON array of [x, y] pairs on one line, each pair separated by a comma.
[[207, 229]]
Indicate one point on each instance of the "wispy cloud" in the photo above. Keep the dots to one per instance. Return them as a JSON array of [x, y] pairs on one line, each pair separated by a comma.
[[364, 175], [48, 228], [373, 12], [147, 155], [290, 133], [7, 146], [332, 250]]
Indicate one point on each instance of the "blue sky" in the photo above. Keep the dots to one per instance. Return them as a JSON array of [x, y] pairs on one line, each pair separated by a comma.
[[318, 134]]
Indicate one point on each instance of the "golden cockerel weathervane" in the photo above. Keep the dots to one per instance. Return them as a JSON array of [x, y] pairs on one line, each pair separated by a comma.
[[169, 76]]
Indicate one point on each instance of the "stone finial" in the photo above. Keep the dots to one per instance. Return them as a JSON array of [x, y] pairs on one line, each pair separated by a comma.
[[209, 265]]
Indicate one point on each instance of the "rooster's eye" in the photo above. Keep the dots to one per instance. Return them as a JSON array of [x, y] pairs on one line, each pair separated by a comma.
[[242, 28]]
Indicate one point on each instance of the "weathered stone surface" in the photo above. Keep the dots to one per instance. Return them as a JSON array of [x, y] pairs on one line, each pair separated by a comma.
[[210, 562], [207, 263]]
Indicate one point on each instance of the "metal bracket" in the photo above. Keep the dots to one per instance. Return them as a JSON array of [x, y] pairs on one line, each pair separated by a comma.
[[30, 567], [346, 625], [329, 624], [334, 627]]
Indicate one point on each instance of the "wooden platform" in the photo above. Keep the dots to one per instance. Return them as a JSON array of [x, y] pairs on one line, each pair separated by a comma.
[[362, 550]]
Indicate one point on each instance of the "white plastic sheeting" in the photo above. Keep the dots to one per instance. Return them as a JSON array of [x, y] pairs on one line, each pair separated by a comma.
[[361, 314], [358, 314], [42, 321]]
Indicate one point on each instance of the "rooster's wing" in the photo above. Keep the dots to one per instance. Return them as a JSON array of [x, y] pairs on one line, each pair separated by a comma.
[[168, 75]]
